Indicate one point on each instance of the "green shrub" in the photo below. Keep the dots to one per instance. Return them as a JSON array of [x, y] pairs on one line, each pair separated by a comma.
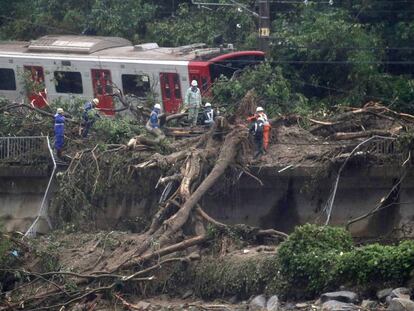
[[309, 256], [314, 259], [376, 264], [269, 84], [117, 131]]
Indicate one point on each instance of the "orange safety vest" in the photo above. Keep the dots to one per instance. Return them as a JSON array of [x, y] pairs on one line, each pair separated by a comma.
[[266, 130]]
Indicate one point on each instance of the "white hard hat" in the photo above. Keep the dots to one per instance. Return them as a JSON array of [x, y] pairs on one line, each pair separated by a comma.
[[96, 101], [207, 105], [194, 83], [157, 106], [59, 110], [259, 109]]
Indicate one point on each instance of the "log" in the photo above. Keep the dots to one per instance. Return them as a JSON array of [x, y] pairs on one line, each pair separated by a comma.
[[363, 134], [134, 261], [226, 157]]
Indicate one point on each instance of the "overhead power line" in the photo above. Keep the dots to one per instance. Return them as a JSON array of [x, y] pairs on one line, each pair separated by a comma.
[[311, 47]]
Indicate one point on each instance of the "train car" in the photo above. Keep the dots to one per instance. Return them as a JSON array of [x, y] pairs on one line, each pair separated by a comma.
[[66, 67]]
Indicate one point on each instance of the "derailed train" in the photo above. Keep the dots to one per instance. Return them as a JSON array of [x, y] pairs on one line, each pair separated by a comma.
[[86, 67]]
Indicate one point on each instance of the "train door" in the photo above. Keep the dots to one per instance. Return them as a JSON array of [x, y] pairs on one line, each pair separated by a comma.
[[35, 85], [200, 72], [170, 91], [102, 89]]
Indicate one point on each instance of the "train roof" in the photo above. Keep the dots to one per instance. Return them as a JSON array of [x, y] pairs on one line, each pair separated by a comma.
[[109, 47]]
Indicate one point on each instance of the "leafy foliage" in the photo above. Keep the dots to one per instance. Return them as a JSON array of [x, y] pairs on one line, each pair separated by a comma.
[[190, 26], [269, 83], [118, 130], [377, 264], [321, 55], [315, 259], [309, 256]]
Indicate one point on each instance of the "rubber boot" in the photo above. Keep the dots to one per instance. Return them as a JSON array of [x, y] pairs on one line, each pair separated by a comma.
[[266, 136]]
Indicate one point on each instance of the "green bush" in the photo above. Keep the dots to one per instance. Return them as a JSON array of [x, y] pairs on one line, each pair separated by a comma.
[[314, 259], [308, 257], [377, 264], [269, 84], [117, 131]]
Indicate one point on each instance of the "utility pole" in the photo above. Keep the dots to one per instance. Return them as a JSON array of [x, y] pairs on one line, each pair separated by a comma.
[[264, 24]]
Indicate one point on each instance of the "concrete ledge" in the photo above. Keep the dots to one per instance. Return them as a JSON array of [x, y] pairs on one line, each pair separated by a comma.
[[24, 171]]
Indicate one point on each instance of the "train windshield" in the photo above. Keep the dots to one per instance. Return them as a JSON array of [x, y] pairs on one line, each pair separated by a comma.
[[230, 64]]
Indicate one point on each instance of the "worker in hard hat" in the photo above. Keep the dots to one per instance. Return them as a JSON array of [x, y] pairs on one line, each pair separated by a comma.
[[208, 115], [266, 127], [59, 131], [89, 116], [256, 129], [192, 102], [153, 123]]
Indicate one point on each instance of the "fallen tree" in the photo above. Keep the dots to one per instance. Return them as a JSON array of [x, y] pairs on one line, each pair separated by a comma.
[[186, 172], [189, 170]]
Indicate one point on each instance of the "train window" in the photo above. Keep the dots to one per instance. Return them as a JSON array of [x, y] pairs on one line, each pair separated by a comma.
[[7, 79], [177, 89], [204, 84], [166, 83], [68, 82], [138, 85]]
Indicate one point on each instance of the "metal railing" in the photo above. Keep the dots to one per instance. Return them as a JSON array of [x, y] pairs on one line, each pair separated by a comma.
[[42, 213], [24, 150], [30, 150]]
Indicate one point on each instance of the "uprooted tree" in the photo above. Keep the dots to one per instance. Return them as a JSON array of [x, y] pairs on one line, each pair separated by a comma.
[[189, 170]]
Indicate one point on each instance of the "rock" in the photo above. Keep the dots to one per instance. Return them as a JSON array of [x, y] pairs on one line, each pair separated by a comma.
[[401, 292], [302, 305], [333, 305], [289, 306], [382, 294], [142, 305], [187, 294], [273, 304], [401, 304], [369, 304], [258, 303], [342, 296], [233, 300]]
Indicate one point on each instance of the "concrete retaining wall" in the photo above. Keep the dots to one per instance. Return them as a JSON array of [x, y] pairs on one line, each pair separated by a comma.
[[296, 197], [287, 199], [21, 192]]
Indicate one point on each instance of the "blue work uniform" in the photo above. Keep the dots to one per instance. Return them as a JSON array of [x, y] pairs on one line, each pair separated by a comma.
[[153, 124], [153, 120], [59, 131], [89, 116]]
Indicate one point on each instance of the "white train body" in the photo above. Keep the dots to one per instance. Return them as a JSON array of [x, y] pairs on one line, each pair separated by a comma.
[[86, 67]]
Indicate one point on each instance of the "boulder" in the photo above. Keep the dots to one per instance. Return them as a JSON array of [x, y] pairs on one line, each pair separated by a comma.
[[401, 304], [272, 304], [401, 292], [369, 304], [302, 305], [142, 305], [234, 299], [342, 296], [383, 293], [333, 305], [258, 303], [187, 294]]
